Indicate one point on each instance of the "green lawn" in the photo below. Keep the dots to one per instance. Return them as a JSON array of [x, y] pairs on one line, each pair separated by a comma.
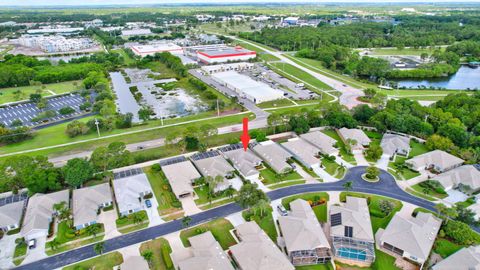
[[66, 234], [404, 173], [265, 222], [268, 176], [20, 250], [431, 192], [445, 248], [417, 149], [167, 201], [161, 253], [220, 229], [327, 266], [421, 194], [405, 51], [129, 221], [379, 220], [276, 103], [341, 145], [333, 168], [202, 193], [9, 95], [103, 262], [286, 184], [127, 60], [301, 75], [319, 198]]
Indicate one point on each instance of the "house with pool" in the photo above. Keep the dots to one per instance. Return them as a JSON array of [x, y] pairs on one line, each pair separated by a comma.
[[351, 232]]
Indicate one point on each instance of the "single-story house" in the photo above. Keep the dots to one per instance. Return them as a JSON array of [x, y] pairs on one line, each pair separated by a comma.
[[393, 144], [351, 230], [438, 160], [466, 175], [354, 137], [205, 253], [86, 202], [245, 161], [303, 151], [181, 175], [40, 213], [274, 155], [475, 209], [129, 193], [11, 215], [134, 262], [305, 240], [256, 251], [412, 237], [467, 258], [322, 141], [212, 164]]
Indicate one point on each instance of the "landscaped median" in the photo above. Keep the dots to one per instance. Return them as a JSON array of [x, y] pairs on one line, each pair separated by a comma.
[[132, 222], [68, 238]]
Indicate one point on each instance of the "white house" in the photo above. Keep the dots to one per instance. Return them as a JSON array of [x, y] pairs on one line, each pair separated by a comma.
[[129, 193], [86, 203]]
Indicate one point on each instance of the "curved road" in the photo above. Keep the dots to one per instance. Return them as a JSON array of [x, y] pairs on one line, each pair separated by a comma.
[[386, 187]]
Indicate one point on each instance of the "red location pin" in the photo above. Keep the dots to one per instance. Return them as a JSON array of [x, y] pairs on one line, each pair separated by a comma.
[[245, 137]]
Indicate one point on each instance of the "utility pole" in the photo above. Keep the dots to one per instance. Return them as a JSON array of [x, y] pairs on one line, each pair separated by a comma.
[[218, 109], [98, 129]]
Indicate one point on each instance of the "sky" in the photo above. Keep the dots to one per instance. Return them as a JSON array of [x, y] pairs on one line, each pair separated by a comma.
[[140, 2]]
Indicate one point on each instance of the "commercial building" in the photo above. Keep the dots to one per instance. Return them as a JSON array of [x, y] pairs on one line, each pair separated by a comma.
[[245, 161], [305, 240], [256, 251], [240, 66], [274, 155], [57, 43], [302, 151], [11, 215], [205, 253], [224, 54], [136, 32], [130, 191], [55, 30], [181, 174], [246, 87], [351, 232], [412, 238], [437, 160], [467, 258], [322, 141], [393, 144], [86, 203], [151, 49], [354, 137], [40, 213]]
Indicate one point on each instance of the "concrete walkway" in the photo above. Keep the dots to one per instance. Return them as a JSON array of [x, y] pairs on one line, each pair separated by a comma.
[[324, 175], [189, 206], [7, 248], [236, 219], [308, 178], [382, 163], [360, 159], [108, 220]]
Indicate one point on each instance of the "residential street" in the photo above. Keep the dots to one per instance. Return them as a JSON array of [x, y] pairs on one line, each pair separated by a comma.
[[386, 186]]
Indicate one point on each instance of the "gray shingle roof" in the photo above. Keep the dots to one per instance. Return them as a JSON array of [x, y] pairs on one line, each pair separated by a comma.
[[274, 155], [128, 190], [321, 141], [354, 214], [466, 175], [438, 158], [354, 134], [180, 175], [11, 214], [86, 201], [467, 258], [392, 143], [244, 161], [303, 150]]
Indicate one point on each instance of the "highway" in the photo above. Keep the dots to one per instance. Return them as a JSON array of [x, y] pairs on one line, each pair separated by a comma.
[[385, 187]]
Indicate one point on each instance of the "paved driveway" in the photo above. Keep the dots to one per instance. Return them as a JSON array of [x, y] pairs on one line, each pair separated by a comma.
[[189, 206], [108, 219], [360, 159], [38, 252], [382, 163], [7, 248]]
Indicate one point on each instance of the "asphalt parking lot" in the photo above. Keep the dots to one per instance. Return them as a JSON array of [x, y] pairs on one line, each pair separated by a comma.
[[25, 112]]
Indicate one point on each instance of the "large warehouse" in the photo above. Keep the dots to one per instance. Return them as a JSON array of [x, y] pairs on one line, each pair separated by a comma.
[[245, 86], [225, 54], [144, 50]]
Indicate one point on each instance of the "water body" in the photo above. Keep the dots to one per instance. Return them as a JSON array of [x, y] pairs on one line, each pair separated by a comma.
[[465, 78]]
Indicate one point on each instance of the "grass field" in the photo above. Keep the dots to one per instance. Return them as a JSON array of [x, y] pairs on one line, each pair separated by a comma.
[[220, 229], [127, 60], [167, 202], [286, 184], [299, 74], [275, 103], [445, 248], [160, 260], [405, 51], [268, 176], [333, 168], [418, 188], [104, 262], [9, 95]]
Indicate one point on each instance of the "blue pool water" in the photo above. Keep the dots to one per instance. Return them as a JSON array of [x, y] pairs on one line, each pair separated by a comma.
[[351, 253]]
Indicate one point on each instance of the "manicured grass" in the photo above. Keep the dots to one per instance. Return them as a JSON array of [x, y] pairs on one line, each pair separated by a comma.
[[268, 57], [341, 145], [220, 229], [431, 192], [318, 198], [417, 149], [286, 184], [268, 176], [421, 194], [103, 262], [379, 220], [404, 173], [161, 253], [215, 204], [202, 193], [167, 201], [265, 222], [20, 250], [8, 94], [66, 234], [276, 103], [445, 248], [405, 51], [326, 266], [129, 221], [301, 75], [384, 261], [333, 168]]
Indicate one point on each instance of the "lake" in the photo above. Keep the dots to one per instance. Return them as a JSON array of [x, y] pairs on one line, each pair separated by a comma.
[[465, 78]]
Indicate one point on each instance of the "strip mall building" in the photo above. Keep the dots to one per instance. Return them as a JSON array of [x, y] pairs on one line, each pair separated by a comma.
[[225, 54]]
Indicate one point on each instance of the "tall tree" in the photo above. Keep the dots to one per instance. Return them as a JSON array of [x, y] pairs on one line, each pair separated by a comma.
[[77, 171], [249, 195]]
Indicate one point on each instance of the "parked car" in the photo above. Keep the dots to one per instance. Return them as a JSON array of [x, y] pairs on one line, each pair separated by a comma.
[[148, 203], [32, 244], [282, 211]]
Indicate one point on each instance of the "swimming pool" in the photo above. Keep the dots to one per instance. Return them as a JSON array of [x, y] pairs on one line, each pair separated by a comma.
[[352, 254]]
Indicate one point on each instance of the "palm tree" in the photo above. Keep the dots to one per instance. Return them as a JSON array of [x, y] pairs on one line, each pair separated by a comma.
[[186, 221], [348, 185], [148, 256], [446, 212], [99, 248], [229, 192], [93, 230], [62, 209], [262, 205], [54, 244], [137, 218]]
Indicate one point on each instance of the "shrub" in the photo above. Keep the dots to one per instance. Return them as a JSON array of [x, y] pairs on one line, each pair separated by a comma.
[[85, 106], [460, 233], [166, 257], [66, 110], [156, 167]]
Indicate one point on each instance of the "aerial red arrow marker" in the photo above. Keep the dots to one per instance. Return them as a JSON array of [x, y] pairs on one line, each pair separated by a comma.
[[245, 137]]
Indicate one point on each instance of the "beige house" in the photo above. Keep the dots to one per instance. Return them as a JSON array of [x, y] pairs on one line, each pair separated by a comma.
[[11, 215], [467, 258], [205, 253], [303, 151], [181, 175], [305, 240], [354, 137], [245, 161], [86, 203], [256, 251], [351, 232], [129, 193], [40, 213], [437, 160], [466, 176], [274, 155], [393, 144], [322, 141], [134, 262], [212, 164], [412, 238]]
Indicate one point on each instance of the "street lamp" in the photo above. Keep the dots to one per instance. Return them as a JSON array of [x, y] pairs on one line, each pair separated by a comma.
[[96, 124]]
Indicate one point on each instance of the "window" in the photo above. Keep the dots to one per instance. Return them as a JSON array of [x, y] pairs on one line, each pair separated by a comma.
[[348, 231]]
